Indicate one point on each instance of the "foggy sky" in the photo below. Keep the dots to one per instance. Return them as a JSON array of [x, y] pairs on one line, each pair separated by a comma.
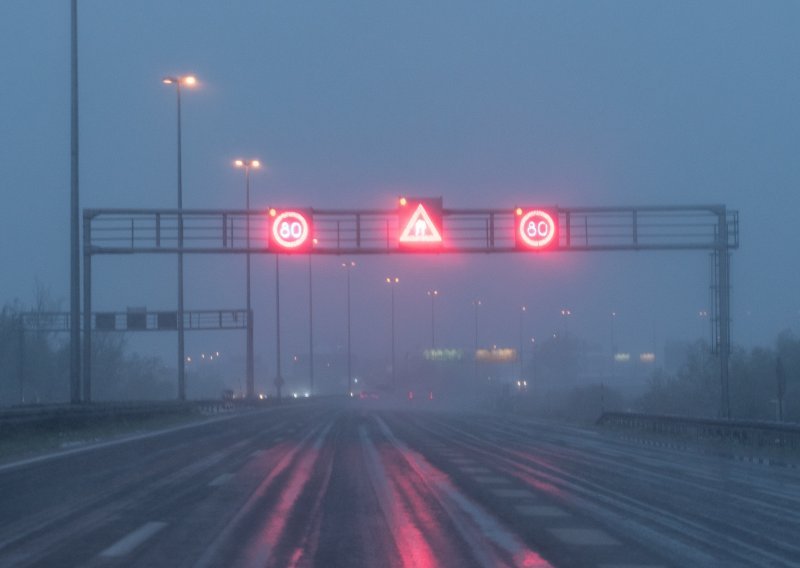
[[351, 104]]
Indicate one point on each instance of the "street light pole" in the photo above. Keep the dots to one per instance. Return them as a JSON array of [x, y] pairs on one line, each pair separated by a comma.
[[310, 330], [476, 303], [433, 294], [347, 266], [278, 377], [392, 281], [250, 372], [521, 333], [188, 80]]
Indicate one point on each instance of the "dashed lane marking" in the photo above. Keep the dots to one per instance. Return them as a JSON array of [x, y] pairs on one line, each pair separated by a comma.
[[475, 469], [541, 511], [584, 537], [491, 480], [514, 493], [630, 566], [127, 543], [257, 453], [221, 480]]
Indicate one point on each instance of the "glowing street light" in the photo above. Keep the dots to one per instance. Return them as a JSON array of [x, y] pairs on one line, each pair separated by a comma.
[[247, 164], [189, 81], [566, 313], [392, 281], [433, 295]]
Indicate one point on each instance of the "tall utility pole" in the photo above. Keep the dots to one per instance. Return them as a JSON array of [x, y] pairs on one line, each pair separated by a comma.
[[74, 226]]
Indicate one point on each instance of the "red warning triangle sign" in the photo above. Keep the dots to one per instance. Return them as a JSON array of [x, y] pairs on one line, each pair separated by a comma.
[[420, 228]]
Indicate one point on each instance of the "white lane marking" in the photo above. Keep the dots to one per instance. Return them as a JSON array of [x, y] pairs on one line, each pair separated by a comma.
[[491, 479], [476, 469], [257, 453], [221, 480], [541, 511], [127, 543], [630, 566], [513, 493], [584, 537], [464, 461]]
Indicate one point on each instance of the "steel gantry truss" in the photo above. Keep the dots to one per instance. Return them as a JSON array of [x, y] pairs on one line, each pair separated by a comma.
[[377, 231]]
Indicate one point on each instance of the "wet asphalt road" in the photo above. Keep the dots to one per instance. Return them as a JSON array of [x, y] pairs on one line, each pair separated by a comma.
[[356, 483]]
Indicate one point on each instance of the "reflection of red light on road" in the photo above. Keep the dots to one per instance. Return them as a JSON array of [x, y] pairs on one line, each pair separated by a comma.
[[410, 395], [413, 520]]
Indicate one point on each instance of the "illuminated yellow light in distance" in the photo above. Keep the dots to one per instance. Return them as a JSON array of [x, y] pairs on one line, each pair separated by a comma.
[[403, 202], [272, 212], [238, 163], [189, 80], [519, 211], [255, 164]]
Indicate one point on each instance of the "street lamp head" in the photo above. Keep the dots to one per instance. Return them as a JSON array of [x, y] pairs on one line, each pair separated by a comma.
[[188, 80], [240, 163]]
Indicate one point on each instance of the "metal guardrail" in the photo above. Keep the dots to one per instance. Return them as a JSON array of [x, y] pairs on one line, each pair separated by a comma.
[[753, 434], [54, 416]]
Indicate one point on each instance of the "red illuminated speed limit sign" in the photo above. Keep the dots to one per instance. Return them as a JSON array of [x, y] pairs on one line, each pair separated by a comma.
[[291, 230], [536, 229]]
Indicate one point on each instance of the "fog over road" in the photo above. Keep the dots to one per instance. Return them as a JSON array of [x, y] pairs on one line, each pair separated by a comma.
[[363, 483]]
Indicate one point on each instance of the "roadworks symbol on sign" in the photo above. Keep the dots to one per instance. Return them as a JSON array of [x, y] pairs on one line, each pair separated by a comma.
[[420, 228]]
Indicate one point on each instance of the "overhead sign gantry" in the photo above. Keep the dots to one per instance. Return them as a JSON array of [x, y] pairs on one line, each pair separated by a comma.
[[423, 225]]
